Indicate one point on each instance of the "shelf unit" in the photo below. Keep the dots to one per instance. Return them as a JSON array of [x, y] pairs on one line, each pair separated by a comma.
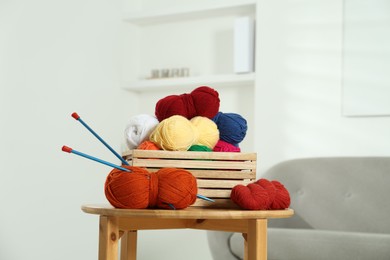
[[143, 20], [217, 81], [191, 12]]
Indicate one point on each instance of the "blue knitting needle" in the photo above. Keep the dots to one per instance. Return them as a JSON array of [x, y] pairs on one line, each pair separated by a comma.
[[204, 198], [77, 117], [70, 150]]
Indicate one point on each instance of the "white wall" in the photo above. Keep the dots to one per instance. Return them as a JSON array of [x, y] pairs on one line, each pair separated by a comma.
[[298, 93], [56, 57]]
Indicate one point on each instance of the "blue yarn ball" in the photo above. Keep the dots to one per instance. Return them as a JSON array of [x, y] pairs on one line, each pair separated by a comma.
[[232, 127]]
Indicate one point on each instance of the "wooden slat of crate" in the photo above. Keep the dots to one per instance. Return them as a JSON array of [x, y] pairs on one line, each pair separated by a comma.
[[218, 174], [194, 164], [215, 193], [225, 184], [188, 155]]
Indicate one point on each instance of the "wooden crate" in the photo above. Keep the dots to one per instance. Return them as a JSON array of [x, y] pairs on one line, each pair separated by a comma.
[[216, 172]]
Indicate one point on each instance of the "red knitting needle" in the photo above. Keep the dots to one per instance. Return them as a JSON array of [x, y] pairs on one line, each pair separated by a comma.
[[70, 150]]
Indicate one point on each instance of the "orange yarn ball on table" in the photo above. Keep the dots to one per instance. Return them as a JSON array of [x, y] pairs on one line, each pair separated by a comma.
[[140, 189], [128, 189], [176, 186]]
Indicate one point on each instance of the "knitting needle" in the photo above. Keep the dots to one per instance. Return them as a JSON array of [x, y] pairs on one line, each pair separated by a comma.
[[77, 117], [70, 150], [204, 198]]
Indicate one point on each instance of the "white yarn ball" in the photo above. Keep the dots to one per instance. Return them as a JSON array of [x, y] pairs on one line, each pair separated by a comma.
[[138, 129]]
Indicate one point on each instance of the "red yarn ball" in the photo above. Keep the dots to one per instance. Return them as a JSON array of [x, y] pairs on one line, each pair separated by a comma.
[[270, 188], [261, 195], [282, 196], [175, 105], [252, 196], [203, 101], [223, 146], [140, 189], [206, 101]]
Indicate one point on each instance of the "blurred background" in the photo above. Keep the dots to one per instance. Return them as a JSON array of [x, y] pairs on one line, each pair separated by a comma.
[[59, 57]]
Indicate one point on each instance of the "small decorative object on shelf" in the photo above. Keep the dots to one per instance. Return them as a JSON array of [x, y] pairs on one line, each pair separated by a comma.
[[169, 73]]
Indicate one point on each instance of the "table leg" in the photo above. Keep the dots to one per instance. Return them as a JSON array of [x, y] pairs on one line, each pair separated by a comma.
[[108, 238], [129, 245], [256, 240]]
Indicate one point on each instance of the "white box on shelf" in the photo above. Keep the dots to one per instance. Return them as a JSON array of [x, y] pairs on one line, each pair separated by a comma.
[[244, 44]]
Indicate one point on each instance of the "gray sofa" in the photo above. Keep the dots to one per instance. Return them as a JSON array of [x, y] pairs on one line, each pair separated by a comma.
[[342, 211]]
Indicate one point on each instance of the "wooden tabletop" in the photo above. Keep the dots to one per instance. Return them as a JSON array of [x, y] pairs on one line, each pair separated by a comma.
[[189, 213]]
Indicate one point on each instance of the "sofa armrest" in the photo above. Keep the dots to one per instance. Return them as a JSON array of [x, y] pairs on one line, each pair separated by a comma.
[[310, 244]]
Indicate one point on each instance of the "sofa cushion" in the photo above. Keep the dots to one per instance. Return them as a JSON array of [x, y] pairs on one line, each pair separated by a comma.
[[344, 194], [311, 244]]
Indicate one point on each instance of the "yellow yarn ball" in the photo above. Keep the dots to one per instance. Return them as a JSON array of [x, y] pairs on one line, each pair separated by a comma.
[[175, 133], [208, 131]]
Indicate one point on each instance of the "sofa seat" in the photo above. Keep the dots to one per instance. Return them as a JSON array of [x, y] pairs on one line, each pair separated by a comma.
[[341, 212], [300, 244]]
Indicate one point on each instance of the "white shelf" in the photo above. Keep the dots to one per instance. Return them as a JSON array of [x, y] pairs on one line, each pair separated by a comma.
[[191, 12], [214, 81]]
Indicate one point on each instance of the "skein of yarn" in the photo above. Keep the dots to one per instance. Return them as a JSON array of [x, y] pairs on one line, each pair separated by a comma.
[[232, 127], [203, 101], [148, 145], [168, 187], [208, 131], [175, 133], [282, 196], [138, 129], [199, 148], [252, 196], [261, 195], [223, 146], [206, 101]]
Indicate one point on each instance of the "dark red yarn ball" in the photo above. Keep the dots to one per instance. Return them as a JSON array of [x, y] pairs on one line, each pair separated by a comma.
[[261, 195], [202, 101], [282, 196], [252, 196], [270, 188], [206, 101]]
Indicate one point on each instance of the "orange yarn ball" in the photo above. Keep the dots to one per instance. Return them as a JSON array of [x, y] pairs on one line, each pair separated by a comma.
[[128, 189], [140, 189], [177, 187], [148, 145]]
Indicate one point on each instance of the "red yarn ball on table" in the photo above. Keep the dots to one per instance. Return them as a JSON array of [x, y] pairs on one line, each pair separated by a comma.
[[282, 196], [270, 188], [252, 196], [139, 189]]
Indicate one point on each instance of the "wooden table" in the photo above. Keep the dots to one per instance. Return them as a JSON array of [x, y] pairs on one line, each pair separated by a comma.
[[124, 223]]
